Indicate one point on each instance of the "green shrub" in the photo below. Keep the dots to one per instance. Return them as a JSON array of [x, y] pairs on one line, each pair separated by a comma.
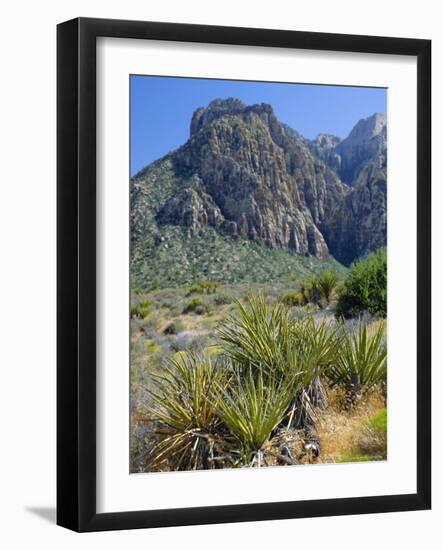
[[142, 310], [203, 286], [292, 299], [365, 288], [222, 299], [151, 346], [310, 290], [145, 311], [378, 422], [372, 441], [134, 312], [197, 306], [175, 327]]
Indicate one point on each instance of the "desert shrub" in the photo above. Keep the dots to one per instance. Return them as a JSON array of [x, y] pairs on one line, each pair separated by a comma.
[[151, 346], [167, 302], [292, 299], [175, 327], [310, 290], [203, 286], [378, 422], [326, 282], [182, 342], [140, 445], [312, 308], [141, 310], [372, 441], [149, 323], [134, 312], [362, 358], [196, 305], [297, 313], [365, 287], [222, 299], [201, 342], [187, 341], [185, 416]]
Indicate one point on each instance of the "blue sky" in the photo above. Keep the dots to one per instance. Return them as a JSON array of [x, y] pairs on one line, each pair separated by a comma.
[[162, 107]]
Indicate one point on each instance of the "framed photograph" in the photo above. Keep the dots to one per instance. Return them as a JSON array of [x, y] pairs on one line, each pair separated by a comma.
[[243, 274]]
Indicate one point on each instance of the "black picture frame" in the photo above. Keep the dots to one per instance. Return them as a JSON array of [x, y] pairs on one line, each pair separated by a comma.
[[76, 274]]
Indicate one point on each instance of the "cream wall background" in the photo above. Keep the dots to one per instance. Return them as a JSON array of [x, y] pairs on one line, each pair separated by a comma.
[[27, 289]]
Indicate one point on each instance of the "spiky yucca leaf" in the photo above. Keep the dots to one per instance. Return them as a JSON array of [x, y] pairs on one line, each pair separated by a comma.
[[316, 344], [363, 352], [258, 336], [184, 413], [264, 337], [252, 407]]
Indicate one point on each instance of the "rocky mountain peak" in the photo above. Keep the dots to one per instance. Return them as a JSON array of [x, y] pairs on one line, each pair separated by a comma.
[[219, 108], [367, 128], [248, 177], [367, 140], [327, 141]]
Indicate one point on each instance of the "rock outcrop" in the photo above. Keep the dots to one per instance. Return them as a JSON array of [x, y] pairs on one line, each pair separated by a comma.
[[360, 161], [248, 176]]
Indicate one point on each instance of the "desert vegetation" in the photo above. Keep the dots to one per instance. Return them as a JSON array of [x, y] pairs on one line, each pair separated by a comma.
[[258, 291], [227, 375]]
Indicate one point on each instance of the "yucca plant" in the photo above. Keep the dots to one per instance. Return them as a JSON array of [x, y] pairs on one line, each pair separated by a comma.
[[251, 408], [316, 345], [326, 282], [310, 290], [184, 413], [258, 336], [266, 340], [362, 358]]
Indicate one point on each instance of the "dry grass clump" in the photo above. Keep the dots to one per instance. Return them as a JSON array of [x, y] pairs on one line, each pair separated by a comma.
[[344, 433]]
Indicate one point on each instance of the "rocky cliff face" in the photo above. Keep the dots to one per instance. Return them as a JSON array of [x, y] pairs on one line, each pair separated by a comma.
[[360, 161], [366, 142], [249, 177]]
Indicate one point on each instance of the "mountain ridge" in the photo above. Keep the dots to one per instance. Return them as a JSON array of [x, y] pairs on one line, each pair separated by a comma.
[[250, 178]]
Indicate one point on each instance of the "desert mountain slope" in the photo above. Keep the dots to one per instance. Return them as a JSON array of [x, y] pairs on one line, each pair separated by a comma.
[[245, 184]]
